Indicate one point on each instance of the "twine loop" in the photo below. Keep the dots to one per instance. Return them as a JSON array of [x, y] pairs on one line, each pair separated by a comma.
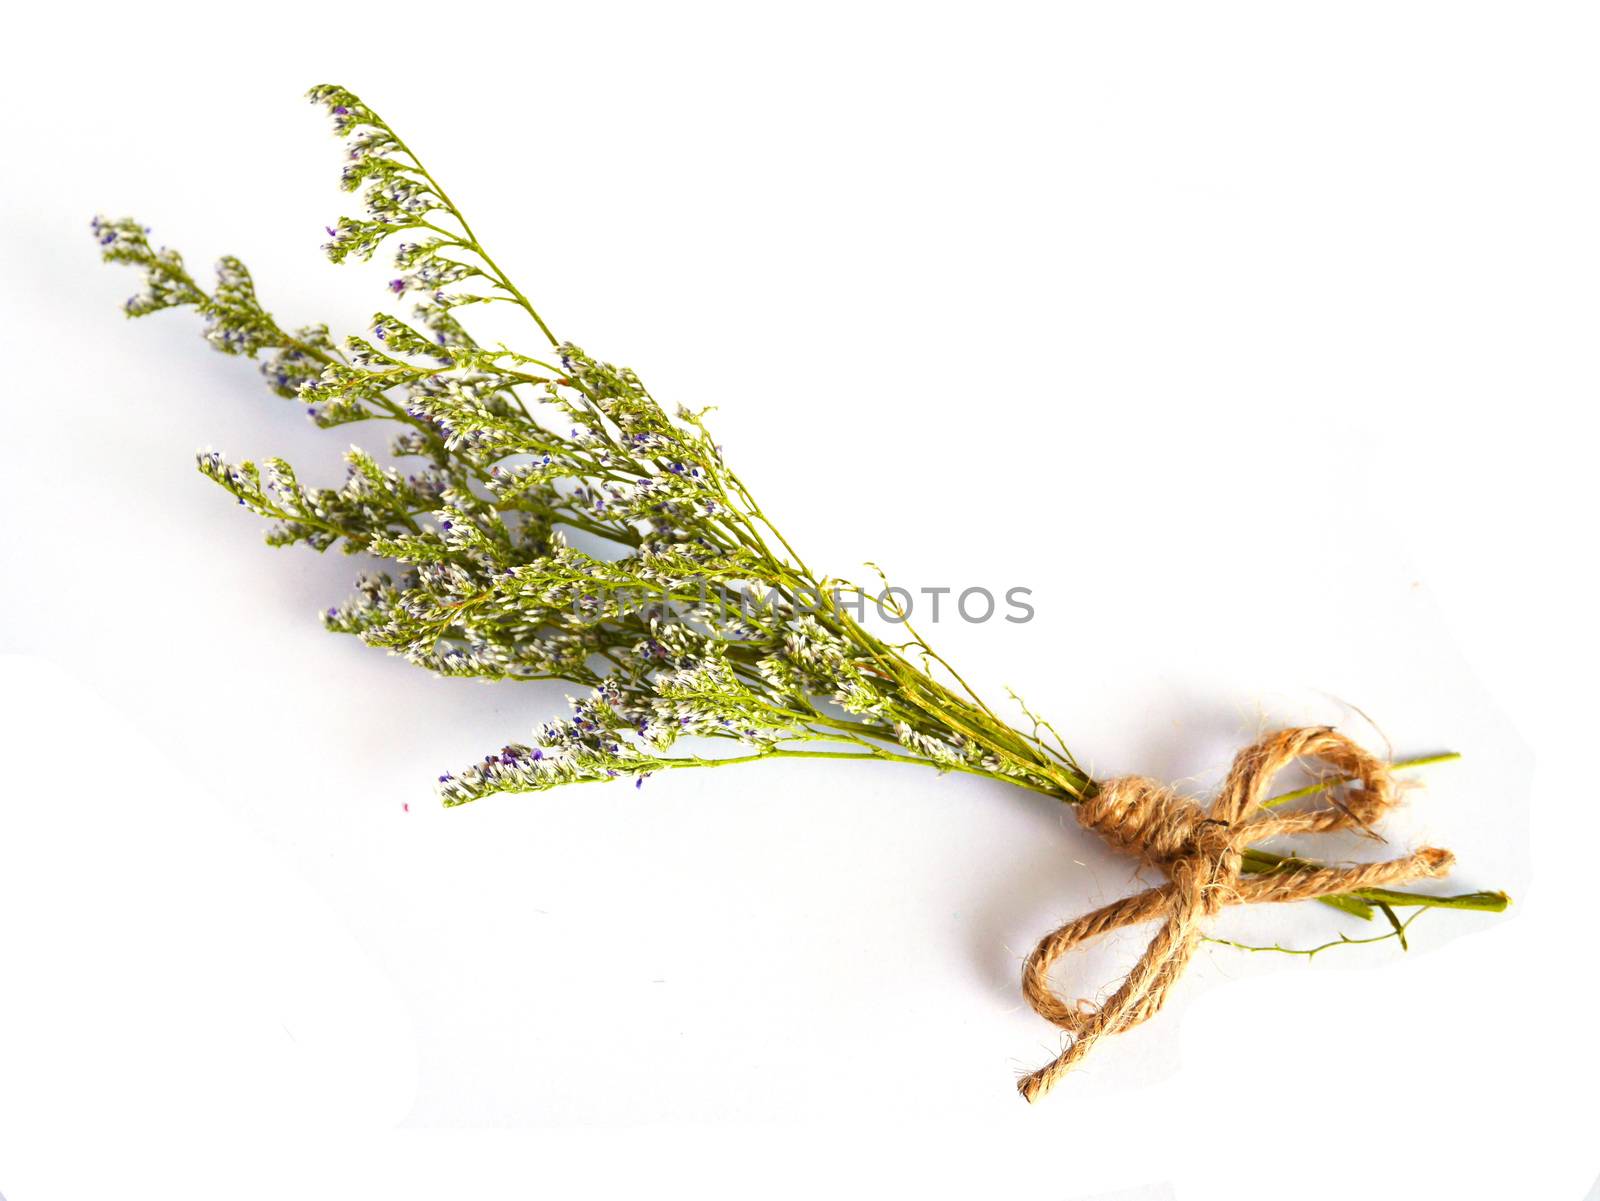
[[1201, 853]]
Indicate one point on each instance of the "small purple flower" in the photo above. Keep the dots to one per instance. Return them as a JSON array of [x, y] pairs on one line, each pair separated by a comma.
[[397, 286]]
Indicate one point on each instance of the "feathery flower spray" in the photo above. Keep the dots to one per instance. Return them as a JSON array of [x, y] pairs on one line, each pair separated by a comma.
[[702, 638]]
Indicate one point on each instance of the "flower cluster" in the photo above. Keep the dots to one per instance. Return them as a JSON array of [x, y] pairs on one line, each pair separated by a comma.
[[560, 523]]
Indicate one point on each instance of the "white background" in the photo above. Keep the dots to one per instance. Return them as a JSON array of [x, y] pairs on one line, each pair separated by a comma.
[[1256, 339]]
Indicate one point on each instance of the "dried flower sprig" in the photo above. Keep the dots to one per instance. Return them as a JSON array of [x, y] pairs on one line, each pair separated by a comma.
[[702, 638]]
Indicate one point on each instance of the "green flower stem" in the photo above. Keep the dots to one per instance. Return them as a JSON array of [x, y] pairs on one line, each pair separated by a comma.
[[473, 244], [1479, 902], [1361, 903], [1397, 765], [1398, 931]]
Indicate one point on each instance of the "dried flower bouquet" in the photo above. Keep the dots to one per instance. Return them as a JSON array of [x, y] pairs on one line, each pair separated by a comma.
[[702, 637]]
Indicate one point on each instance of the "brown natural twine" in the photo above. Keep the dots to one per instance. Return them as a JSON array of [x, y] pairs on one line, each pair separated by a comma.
[[1200, 853]]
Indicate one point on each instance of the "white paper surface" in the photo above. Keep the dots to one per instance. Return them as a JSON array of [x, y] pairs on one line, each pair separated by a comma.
[[1255, 341]]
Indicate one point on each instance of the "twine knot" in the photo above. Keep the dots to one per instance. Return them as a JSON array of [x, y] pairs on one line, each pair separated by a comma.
[[1143, 818], [1201, 853]]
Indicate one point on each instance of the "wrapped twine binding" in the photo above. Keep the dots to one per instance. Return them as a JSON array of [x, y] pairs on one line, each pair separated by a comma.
[[1200, 853]]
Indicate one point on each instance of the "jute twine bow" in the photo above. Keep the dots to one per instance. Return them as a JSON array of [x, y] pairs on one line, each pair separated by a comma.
[[1200, 853]]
